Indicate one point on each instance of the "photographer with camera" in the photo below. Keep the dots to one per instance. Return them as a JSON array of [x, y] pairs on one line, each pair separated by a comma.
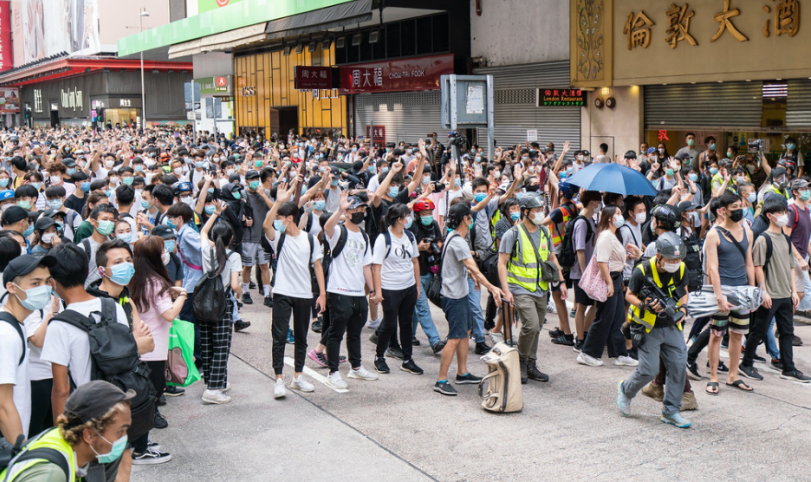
[[657, 293], [429, 244]]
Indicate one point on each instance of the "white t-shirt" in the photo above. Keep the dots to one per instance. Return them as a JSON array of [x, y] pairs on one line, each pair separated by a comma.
[[38, 369], [69, 346], [346, 271], [233, 265], [397, 272], [292, 268], [447, 198], [12, 372]]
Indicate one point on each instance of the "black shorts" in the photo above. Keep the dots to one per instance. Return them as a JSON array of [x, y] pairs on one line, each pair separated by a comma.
[[580, 296], [556, 286]]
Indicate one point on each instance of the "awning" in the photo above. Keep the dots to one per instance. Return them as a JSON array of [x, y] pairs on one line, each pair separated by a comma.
[[221, 41], [345, 14]]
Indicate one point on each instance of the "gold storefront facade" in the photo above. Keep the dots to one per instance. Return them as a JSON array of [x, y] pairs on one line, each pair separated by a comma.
[[267, 101]]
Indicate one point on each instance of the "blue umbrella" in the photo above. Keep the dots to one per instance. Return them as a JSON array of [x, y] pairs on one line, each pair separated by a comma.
[[613, 178]]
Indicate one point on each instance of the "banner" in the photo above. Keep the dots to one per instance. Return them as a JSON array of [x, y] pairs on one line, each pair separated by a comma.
[[416, 74]]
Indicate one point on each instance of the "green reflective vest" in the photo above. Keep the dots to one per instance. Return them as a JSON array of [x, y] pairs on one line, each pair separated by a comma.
[[51, 439], [648, 318], [524, 267]]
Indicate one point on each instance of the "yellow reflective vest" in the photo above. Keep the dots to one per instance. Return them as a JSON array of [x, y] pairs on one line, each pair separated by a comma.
[[524, 267], [648, 318], [51, 440]]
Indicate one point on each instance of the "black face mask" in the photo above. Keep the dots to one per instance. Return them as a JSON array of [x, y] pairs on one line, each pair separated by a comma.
[[736, 215], [357, 218], [533, 188]]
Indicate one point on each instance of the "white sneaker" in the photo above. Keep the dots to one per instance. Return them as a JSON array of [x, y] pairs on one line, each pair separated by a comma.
[[373, 324], [550, 307], [625, 361], [278, 389], [335, 381], [299, 383], [215, 397], [496, 337], [584, 359], [227, 387], [362, 374]]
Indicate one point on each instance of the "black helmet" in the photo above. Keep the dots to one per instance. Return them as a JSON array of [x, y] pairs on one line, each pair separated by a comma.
[[529, 201], [669, 245], [668, 217]]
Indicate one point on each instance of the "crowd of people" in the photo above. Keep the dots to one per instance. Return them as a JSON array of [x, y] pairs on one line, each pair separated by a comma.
[[337, 235]]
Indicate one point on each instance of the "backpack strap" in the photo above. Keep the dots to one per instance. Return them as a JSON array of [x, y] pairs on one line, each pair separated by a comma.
[[632, 233], [74, 318], [734, 241], [108, 312], [87, 249], [280, 244], [793, 208], [387, 237], [9, 318], [47, 454], [770, 249]]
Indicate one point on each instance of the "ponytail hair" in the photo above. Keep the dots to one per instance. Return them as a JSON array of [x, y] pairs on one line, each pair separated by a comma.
[[222, 234], [395, 212]]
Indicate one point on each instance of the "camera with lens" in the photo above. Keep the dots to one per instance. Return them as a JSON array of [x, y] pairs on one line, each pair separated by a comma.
[[670, 313], [439, 187], [756, 144], [456, 139]]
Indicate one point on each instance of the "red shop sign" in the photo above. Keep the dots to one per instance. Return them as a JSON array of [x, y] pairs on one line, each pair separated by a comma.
[[420, 73], [378, 133], [313, 77], [5, 36]]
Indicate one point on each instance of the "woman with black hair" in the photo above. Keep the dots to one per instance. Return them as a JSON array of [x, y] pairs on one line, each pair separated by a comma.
[[396, 273], [792, 158], [215, 339]]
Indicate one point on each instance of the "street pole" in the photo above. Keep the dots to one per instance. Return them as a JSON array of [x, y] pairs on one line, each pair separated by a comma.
[[143, 13]]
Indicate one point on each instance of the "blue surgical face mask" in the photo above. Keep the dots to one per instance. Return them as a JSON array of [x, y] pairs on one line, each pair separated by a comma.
[[139, 167], [55, 203], [479, 197], [144, 204], [199, 164], [254, 185], [693, 177], [169, 245], [71, 170], [115, 452], [36, 185], [712, 146], [209, 210], [35, 298], [457, 182], [128, 180], [4, 182], [752, 197], [334, 182], [24, 204], [319, 205], [121, 273], [279, 226], [409, 220], [515, 216], [126, 237], [211, 190], [85, 186], [713, 170], [394, 191]]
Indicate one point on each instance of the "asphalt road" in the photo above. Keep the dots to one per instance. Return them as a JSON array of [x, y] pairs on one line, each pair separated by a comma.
[[397, 428]]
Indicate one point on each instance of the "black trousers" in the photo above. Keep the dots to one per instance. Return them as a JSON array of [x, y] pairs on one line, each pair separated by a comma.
[[607, 326], [398, 309], [490, 313], [157, 375], [283, 307], [347, 315], [41, 414], [701, 342], [782, 312]]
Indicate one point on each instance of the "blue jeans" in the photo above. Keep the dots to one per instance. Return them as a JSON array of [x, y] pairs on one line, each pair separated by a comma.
[[771, 342], [476, 322], [422, 312]]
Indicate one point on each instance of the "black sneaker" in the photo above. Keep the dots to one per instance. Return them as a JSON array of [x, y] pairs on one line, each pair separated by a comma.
[[411, 367], [750, 372], [438, 346], [381, 366], [269, 301], [759, 359], [415, 341], [721, 366], [578, 345], [796, 341], [373, 337], [634, 353], [795, 376], [161, 401], [777, 364], [262, 290], [150, 457], [692, 372], [467, 379], [317, 325], [563, 340], [443, 388], [160, 422], [556, 333], [252, 285], [246, 298], [240, 325], [482, 348], [173, 391], [395, 352]]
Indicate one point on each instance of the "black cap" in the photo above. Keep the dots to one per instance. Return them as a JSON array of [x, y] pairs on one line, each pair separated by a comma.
[[357, 166], [682, 156], [13, 214], [251, 175], [44, 223], [94, 399], [25, 264], [458, 211], [234, 178], [778, 171], [685, 206], [355, 202], [164, 231], [630, 155], [68, 162]]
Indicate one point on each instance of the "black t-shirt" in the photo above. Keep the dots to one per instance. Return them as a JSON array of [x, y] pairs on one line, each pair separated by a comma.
[[379, 212], [75, 203], [174, 268], [638, 280], [420, 232]]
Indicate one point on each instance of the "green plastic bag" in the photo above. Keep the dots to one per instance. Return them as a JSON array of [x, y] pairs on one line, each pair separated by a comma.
[[180, 368]]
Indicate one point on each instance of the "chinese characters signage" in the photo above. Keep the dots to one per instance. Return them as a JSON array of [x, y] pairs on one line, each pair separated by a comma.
[[561, 97], [308, 78], [9, 100], [377, 134], [396, 76], [5, 37]]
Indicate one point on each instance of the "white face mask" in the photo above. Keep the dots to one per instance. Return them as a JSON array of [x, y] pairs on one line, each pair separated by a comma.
[[619, 221], [109, 164], [56, 180], [48, 237], [640, 217], [178, 171], [537, 218], [671, 268], [781, 220]]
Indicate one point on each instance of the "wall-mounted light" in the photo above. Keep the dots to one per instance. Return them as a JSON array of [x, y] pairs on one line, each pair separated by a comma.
[[340, 43], [605, 91], [299, 48], [286, 50], [356, 39], [311, 47], [374, 37], [326, 44]]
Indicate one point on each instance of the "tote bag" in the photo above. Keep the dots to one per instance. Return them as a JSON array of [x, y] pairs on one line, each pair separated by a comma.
[[593, 283], [180, 368]]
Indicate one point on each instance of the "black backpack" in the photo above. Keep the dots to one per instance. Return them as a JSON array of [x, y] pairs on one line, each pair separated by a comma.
[[330, 254], [114, 357], [208, 304], [387, 238], [568, 255], [692, 262]]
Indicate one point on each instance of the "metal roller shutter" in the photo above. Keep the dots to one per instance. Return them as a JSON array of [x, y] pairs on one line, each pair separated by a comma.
[[729, 106], [516, 110], [798, 107], [408, 116]]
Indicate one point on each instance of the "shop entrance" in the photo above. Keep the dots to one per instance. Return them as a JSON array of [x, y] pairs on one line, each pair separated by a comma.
[[282, 119], [54, 118]]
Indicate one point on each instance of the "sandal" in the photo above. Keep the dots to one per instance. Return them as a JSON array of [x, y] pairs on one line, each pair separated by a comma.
[[712, 388], [740, 385]]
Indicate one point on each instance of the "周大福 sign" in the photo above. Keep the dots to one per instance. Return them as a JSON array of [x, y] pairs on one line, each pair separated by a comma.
[[422, 73]]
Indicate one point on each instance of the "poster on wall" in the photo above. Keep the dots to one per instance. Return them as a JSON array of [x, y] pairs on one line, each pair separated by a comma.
[[54, 26], [9, 100]]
